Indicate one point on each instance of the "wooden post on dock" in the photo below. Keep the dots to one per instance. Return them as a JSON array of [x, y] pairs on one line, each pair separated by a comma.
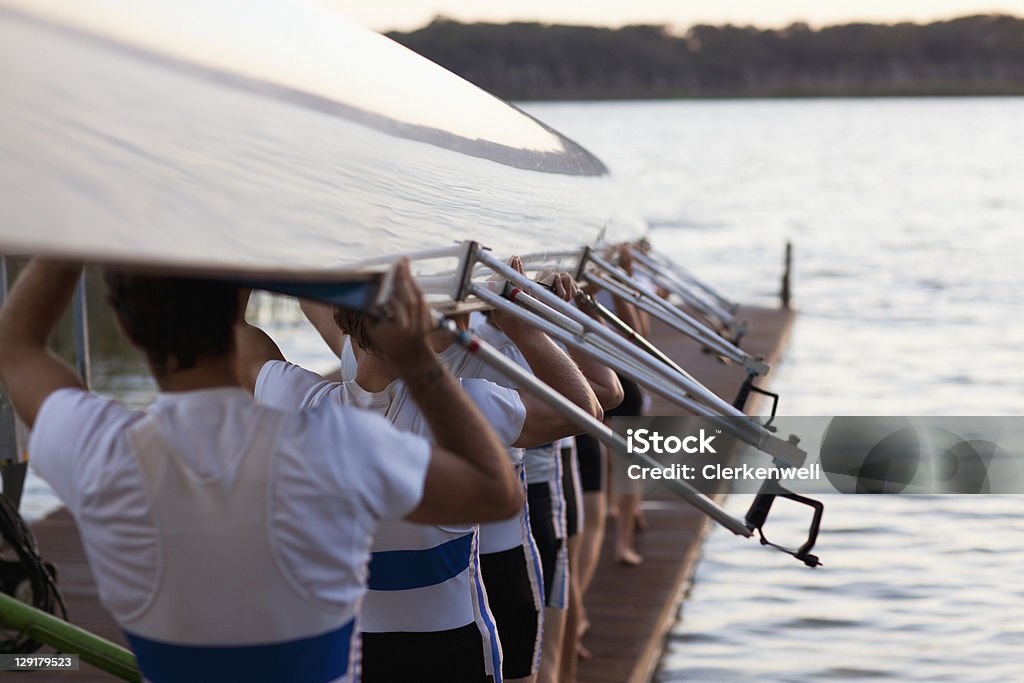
[[786, 274]]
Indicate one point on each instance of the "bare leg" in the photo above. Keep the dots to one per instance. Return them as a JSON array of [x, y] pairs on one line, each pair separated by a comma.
[[551, 645], [595, 510], [625, 541], [570, 638], [611, 502]]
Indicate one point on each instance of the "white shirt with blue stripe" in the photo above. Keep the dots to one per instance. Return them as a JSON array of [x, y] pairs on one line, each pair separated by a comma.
[[541, 464], [423, 578], [211, 525]]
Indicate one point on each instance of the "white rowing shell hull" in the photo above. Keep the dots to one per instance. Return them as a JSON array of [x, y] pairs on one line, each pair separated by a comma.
[[265, 137]]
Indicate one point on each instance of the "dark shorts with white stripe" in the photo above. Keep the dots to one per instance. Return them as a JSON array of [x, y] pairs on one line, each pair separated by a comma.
[[545, 535], [510, 594], [453, 656]]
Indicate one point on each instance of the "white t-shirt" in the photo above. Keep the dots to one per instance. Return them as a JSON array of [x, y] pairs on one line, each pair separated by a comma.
[[427, 604], [319, 475], [496, 537], [541, 464]]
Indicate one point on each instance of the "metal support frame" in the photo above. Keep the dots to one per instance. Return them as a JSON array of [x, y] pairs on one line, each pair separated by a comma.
[[686, 276], [80, 321], [742, 426], [711, 309], [632, 335], [620, 283], [588, 423], [544, 300]]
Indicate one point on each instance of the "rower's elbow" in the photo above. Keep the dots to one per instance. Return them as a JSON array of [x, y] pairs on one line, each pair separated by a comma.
[[612, 396], [514, 502], [502, 502], [596, 404], [589, 402]]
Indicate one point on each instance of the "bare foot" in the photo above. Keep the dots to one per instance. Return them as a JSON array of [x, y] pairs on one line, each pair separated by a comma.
[[628, 557], [582, 652]]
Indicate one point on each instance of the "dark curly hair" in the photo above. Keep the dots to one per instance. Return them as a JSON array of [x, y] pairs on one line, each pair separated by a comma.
[[174, 320]]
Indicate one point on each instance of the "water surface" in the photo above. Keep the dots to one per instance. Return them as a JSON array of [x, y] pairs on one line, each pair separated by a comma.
[[906, 219]]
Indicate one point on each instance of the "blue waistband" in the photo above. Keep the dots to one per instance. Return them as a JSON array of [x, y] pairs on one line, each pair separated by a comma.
[[317, 659]]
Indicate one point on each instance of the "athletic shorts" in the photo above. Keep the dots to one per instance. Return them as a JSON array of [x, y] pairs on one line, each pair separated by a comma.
[[513, 594], [591, 462], [632, 404], [632, 400], [453, 656], [554, 557], [573, 494]]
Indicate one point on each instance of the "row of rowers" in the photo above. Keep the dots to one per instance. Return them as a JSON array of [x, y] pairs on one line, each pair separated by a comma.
[[261, 523]]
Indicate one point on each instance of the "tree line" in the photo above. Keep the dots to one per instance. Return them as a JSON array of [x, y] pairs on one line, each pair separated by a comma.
[[981, 54]]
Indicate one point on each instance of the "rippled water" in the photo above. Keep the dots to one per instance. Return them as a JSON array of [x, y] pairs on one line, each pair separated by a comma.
[[906, 219]]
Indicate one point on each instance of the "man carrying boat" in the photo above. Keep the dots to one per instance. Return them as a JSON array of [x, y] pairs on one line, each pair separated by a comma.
[[442, 624], [506, 546], [228, 539], [542, 472]]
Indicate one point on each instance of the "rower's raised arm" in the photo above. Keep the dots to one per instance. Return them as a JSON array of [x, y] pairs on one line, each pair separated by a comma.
[[28, 370], [321, 317], [555, 368], [602, 379], [469, 477], [253, 348]]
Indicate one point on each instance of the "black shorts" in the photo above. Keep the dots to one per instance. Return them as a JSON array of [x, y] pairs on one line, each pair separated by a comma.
[[570, 487], [545, 535], [512, 597], [591, 461], [632, 400], [453, 656]]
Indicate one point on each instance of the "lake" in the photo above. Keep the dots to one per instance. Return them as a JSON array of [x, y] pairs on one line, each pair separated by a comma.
[[906, 217]]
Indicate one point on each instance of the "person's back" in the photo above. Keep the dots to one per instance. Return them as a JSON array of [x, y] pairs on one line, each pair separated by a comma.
[[229, 540], [425, 595], [210, 524]]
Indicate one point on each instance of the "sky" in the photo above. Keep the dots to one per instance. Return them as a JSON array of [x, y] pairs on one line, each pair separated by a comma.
[[409, 14]]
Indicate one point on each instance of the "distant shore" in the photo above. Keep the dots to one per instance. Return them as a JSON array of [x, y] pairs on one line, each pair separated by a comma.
[[968, 56]]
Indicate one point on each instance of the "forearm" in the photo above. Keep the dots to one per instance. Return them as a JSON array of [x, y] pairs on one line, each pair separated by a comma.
[[602, 380], [629, 314], [321, 316], [455, 422], [36, 304], [556, 369], [253, 349], [27, 368]]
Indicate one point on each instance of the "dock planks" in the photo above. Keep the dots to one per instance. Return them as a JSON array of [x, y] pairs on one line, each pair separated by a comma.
[[630, 608]]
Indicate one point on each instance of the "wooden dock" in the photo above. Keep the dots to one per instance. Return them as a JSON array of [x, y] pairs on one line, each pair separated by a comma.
[[630, 608]]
